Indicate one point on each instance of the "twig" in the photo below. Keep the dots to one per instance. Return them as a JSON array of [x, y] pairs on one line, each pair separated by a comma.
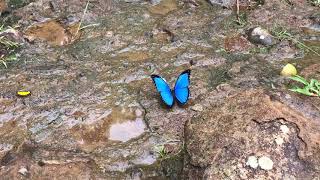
[[84, 13], [90, 25], [238, 10]]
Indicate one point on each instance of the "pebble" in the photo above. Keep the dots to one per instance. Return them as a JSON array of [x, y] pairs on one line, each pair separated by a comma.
[[284, 129], [258, 35], [252, 162], [23, 171], [223, 3], [146, 16], [279, 140], [197, 107], [109, 34], [265, 163], [138, 112]]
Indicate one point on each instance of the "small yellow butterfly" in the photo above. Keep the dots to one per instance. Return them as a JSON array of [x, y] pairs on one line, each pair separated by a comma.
[[23, 93]]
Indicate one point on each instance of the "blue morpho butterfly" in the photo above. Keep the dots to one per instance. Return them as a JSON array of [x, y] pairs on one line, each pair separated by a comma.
[[180, 91]]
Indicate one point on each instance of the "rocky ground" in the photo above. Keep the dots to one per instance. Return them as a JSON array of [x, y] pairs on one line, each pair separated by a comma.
[[94, 113]]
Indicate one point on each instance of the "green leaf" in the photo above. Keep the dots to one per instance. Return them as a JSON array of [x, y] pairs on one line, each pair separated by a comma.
[[4, 63], [317, 85], [309, 89], [299, 79], [313, 82], [313, 86]]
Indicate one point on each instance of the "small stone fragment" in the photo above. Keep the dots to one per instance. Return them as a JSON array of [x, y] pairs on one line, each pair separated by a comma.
[[23, 171], [138, 112], [155, 2], [197, 107], [265, 163], [279, 140], [252, 162], [223, 3], [284, 129], [258, 35], [109, 34]]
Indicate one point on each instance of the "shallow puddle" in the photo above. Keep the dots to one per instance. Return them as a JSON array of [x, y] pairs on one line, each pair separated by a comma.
[[127, 130], [120, 125]]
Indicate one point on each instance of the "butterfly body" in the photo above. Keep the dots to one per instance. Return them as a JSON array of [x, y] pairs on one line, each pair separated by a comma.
[[180, 93]]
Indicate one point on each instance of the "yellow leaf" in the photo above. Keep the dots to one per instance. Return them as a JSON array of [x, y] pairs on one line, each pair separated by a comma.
[[289, 70], [23, 93]]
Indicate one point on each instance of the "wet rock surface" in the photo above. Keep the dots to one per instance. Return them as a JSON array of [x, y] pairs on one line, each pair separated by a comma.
[[94, 113]]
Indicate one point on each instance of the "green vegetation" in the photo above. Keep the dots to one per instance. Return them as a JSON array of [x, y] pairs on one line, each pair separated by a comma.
[[6, 42], [7, 48], [4, 60], [235, 21], [162, 153], [311, 88], [260, 50], [218, 76], [241, 20], [15, 4], [315, 2], [282, 34]]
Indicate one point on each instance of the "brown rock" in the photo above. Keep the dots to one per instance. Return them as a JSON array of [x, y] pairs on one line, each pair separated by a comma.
[[165, 7], [236, 44], [53, 32], [3, 6], [220, 140]]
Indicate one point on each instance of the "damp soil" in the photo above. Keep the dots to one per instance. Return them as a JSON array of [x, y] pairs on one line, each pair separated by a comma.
[[94, 113]]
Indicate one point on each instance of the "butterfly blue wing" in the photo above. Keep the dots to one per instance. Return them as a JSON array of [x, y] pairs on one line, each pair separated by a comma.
[[181, 88], [164, 90]]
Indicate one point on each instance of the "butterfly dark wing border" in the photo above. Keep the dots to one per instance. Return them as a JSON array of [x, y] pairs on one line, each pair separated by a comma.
[[188, 71]]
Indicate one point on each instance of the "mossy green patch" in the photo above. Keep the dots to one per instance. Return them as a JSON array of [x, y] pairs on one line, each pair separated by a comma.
[[15, 4]]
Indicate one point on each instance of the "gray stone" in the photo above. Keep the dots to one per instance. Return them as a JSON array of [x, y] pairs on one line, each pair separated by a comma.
[[259, 35], [223, 3]]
